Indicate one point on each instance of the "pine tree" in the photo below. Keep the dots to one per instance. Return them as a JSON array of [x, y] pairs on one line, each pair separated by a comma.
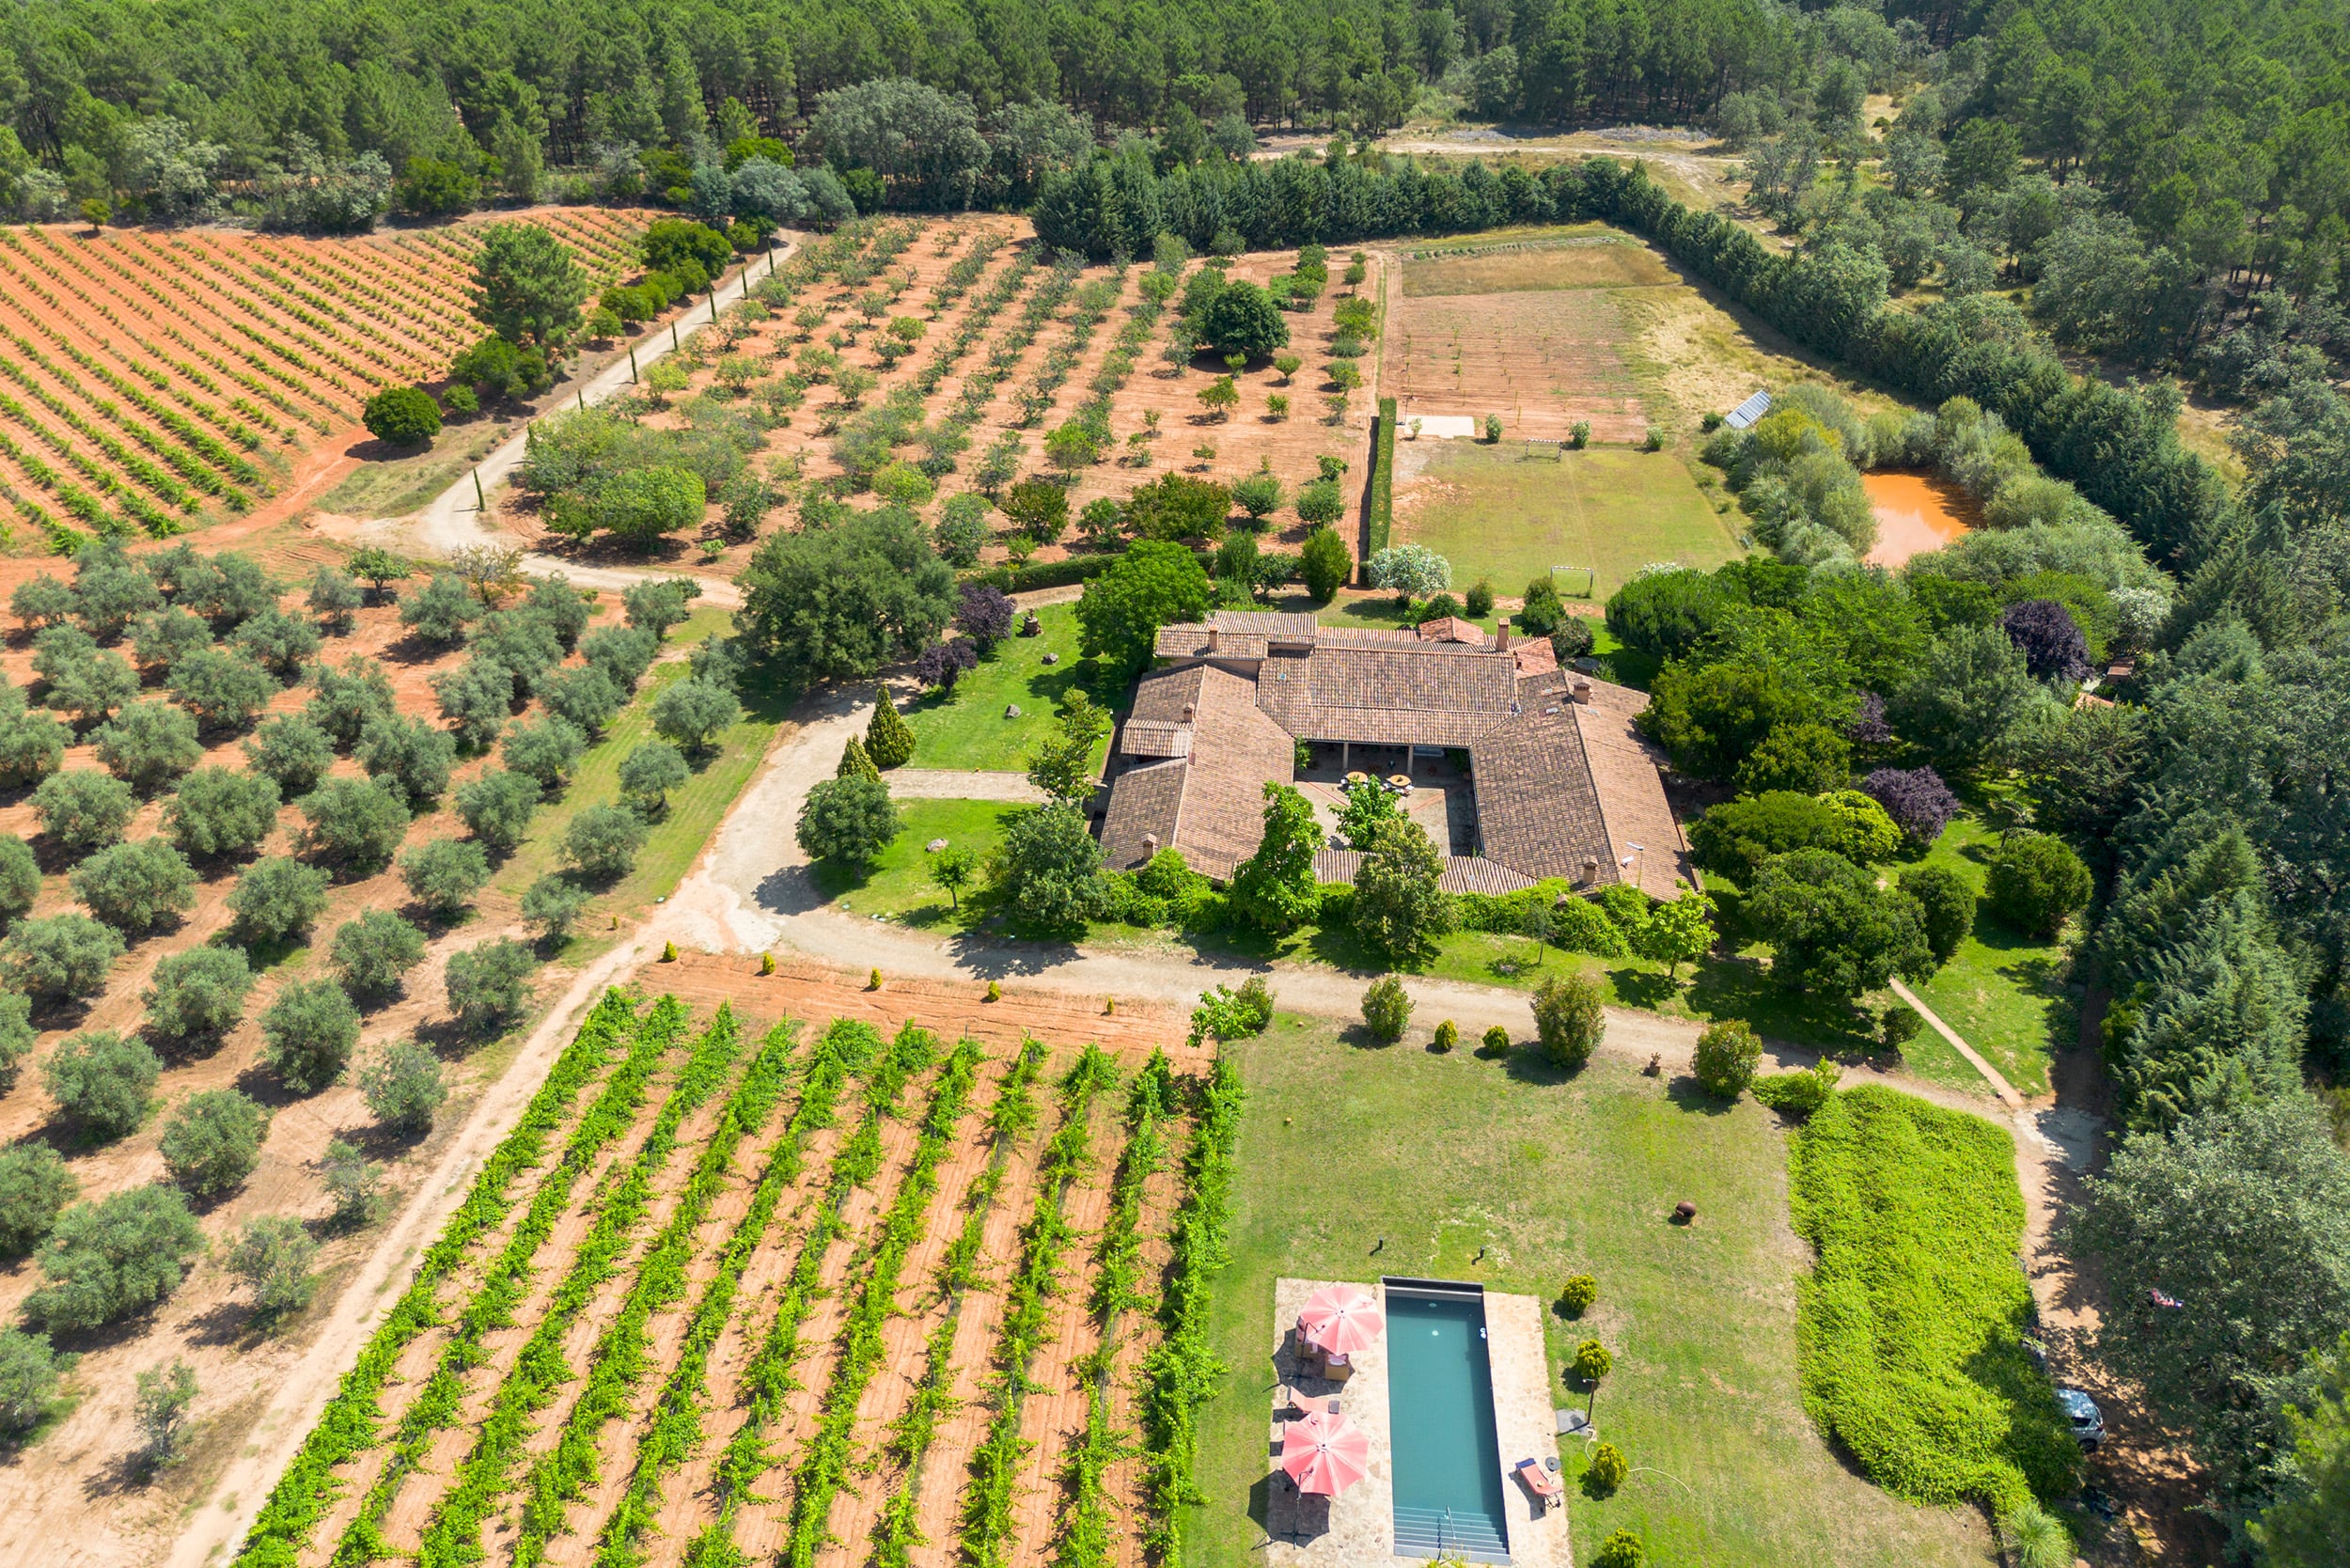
[[888, 740], [855, 762]]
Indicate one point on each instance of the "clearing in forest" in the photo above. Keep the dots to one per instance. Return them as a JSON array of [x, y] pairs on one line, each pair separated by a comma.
[[851, 1291]]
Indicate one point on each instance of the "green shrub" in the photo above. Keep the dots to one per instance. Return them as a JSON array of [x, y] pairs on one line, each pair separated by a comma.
[[2036, 882], [1568, 1019], [35, 1187], [308, 1033], [197, 995], [213, 1140], [2034, 1538], [1497, 1039], [29, 1375], [403, 416], [1724, 1060], [408, 752], [1387, 1009], [1448, 1036], [1578, 1294], [348, 697], [113, 1257], [1621, 1549], [1801, 1092], [1607, 1470], [357, 824], [1949, 901], [1908, 1331], [1899, 1027]]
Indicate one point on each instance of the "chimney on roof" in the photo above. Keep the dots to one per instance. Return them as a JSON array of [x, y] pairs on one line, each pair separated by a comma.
[[1501, 637], [1150, 844], [1189, 710], [1583, 692], [1590, 872], [1215, 636]]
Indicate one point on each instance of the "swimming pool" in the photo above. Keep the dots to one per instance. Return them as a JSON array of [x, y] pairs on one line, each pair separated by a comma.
[[1440, 1416]]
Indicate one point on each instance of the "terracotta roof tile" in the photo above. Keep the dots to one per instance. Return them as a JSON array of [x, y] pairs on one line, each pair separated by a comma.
[[1462, 873], [1538, 807]]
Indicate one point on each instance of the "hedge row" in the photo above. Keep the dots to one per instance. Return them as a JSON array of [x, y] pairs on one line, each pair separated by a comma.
[[1382, 482]]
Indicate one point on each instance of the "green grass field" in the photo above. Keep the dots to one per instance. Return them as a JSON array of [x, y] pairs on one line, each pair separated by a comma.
[[1430, 1159], [1496, 513], [2003, 992], [897, 884], [968, 730]]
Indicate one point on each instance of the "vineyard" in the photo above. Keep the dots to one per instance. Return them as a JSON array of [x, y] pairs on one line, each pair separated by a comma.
[[925, 360], [149, 380], [817, 1295]]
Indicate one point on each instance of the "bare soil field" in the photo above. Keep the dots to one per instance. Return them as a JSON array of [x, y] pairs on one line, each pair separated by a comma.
[[865, 1257], [1033, 343], [74, 1494]]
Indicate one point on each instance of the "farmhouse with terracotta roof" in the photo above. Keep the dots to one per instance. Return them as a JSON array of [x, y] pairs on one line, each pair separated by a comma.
[[1521, 770]]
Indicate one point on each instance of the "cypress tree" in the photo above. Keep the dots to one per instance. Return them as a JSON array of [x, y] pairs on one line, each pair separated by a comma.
[[888, 740], [855, 762]]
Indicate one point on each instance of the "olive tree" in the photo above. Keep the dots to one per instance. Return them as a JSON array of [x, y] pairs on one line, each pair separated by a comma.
[[584, 697], [20, 878], [373, 951], [217, 812], [601, 842], [334, 598], [163, 637], [148, 745], [551, 904], [104, 1080], [223, 690], [354, 823], [212, 1141], [402, 1084], [135, 887], [649, 772], [81, 809], [495, 807], [276, 641], [475, 698], [35, 1187], [622, 652], [444, 875], [308, 1034], [31, 746], [292, 752], [348, 696], [108, 1258], [197, 995], [273, 1256], [489, 985], [691, 713], [59, 956], [276, 898], [440, 611]]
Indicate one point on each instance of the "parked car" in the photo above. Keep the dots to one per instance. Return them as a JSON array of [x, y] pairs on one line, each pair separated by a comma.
[[2082, 1415]]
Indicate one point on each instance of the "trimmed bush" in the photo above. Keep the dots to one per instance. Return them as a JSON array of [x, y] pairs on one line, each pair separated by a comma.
[[113, 1257], [2036, 883], [35, 1187], [1497, 1039], [1798, 1093], [403, 416], [1448, 1036], [213, 1140], [1607, 1470], [1723, 1059], [1621, 1549], [197, 995], [1568, 1019], [650, 771], [1387, 1009], [1578, 1294], [487, 985], [308, 1034]]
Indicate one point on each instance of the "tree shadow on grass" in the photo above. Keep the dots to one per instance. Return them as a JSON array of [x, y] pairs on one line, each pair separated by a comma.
[[1686, 1094], [1743, 988]]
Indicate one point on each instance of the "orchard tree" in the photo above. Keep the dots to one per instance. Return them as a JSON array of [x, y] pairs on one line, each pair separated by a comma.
[[223, 690], [477, 699], [584, 697], [487, 985], [62, 956], [551, 904], [212, 1142], [148, 745], [217, 812], [35, 1187], [308, 1034], [31, 746], [197, 996], [348, 697], [410, 753], [135, 887], [1039, 509], [380, 569], [372, 951], [163, 637], [440, 612], [108, 1258], [79, 809], [545, 751], [104, 1081], [1274, 889], [648, 772], [273, 1257], [42, 601], [355, 825], [20, 879], [658, 604], [444, 875], [334, 598], [110, 590], [402, 1086], [93, 685], [292, 752], [496, 805], [276, 641], [277, 897], [691, 714], [622, 652], [603, 841]]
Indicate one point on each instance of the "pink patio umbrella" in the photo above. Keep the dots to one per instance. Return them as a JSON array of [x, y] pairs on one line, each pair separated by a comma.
[[1343, 1318], [1326, 1453]]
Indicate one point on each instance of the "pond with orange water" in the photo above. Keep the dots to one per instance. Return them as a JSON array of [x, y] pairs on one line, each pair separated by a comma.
[[1915, 513]]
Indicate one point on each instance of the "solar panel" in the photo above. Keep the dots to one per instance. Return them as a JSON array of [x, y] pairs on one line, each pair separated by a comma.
[[1748, 411]]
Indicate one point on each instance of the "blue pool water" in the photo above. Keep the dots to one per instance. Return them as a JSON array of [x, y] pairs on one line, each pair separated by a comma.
[[1440, 1413]]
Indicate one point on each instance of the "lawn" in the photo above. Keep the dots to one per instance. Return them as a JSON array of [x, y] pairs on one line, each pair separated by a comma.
[[677, 837], [2003, 992], [897, 884], [1444, 1156], [1496, 513], [968, 730]]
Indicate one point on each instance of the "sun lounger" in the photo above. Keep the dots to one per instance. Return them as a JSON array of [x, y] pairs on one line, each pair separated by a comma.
[[1539, 1481]]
